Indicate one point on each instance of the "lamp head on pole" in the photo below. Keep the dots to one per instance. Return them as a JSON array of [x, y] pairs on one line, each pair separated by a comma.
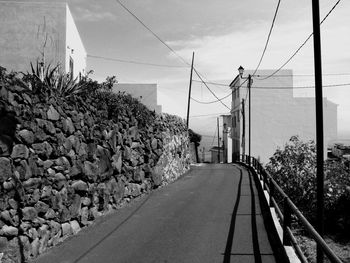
[[240, 70]]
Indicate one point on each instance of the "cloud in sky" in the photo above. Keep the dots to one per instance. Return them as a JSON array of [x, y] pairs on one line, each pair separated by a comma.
[[86, 14], [224, 35]]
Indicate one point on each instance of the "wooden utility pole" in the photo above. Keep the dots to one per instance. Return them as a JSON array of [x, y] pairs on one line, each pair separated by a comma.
[[243, 127], [319, 123], [250, 123], [189, 93], [203, 154], [218, 140]]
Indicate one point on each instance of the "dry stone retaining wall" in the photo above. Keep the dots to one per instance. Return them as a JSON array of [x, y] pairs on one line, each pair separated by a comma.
[[69, 164]]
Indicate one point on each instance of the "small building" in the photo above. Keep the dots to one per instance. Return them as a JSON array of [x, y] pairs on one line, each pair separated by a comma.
[[276, 115], [43, 32], [215, 152], [145, 93]]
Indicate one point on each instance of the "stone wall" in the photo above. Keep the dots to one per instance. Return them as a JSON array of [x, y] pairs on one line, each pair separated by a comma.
[[65, 163]]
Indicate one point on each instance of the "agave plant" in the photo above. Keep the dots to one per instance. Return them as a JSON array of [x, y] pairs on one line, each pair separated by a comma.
[[66, 86], [50, 81]]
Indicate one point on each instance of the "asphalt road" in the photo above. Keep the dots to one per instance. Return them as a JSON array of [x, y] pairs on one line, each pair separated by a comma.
[[212, 214]]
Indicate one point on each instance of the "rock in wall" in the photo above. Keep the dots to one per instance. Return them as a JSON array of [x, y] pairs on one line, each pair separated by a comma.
[[63, 163]]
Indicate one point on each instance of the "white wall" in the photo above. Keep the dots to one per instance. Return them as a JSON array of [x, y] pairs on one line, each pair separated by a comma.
[[29, 30], [276, 115], [145, 93], [74, 46]]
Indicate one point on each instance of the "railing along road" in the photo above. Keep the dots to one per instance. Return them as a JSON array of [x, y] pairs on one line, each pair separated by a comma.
[[289, 208]]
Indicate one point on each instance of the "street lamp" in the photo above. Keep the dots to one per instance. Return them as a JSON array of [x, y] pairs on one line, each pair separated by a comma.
[[249, 78], [240, 70]]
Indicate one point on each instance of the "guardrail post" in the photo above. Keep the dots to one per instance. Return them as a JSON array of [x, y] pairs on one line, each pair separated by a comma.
[[264, 180], [287, 220], [260, 171], [272, 192]]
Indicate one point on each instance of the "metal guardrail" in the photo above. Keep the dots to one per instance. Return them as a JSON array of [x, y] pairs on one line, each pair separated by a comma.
[[289, 208]]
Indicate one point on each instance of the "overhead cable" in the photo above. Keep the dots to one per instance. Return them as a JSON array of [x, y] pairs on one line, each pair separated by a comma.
[[303, 75], [268, 37], [153, 33], [286, 87], [302, 45], [172, 50], [135, 62], [211, 102], [210, 89], [207, 115], [304, 87], [212, 83], [217, 84]]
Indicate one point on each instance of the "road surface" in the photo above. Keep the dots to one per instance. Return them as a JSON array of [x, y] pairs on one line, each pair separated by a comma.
[[212, 214]]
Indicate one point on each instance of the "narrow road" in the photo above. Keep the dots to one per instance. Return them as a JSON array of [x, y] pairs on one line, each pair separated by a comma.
[[212, 214]]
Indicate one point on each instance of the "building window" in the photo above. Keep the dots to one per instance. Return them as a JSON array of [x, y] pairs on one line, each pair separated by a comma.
[[71, 67]]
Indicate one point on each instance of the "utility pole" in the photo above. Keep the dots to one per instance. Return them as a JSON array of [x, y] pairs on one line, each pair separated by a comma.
[[319, 123], [243, 127], [250, 123], [218, 140], [223, 145], [189, 93], [203, 154]]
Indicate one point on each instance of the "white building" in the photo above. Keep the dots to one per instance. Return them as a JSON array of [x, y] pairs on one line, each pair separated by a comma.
[[40, 31], [276, 114], [145, 93]]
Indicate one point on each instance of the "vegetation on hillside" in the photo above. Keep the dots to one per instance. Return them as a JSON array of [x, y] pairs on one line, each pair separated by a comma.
[[294, 169], [47, 83]]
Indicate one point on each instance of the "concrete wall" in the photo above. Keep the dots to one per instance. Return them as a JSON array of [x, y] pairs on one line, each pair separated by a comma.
[[74, 46], [25, 28], [276, 115], [31, 31], [146, 93]]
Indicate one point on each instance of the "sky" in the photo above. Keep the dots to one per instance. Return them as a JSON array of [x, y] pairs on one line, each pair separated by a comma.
[[224, 34]]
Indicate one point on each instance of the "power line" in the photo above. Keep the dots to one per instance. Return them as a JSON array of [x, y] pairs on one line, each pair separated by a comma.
[[285, 87], [153, 33], [304, 75], [212, 83], [134, 62], [217, 84], [302, 45], [295, 87], [304, 87], [268, 37], [211, 102], [172, 50], [210, 89], [207, 115]]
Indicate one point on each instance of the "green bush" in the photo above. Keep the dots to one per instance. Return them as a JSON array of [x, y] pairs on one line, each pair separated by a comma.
[[294, 169]]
